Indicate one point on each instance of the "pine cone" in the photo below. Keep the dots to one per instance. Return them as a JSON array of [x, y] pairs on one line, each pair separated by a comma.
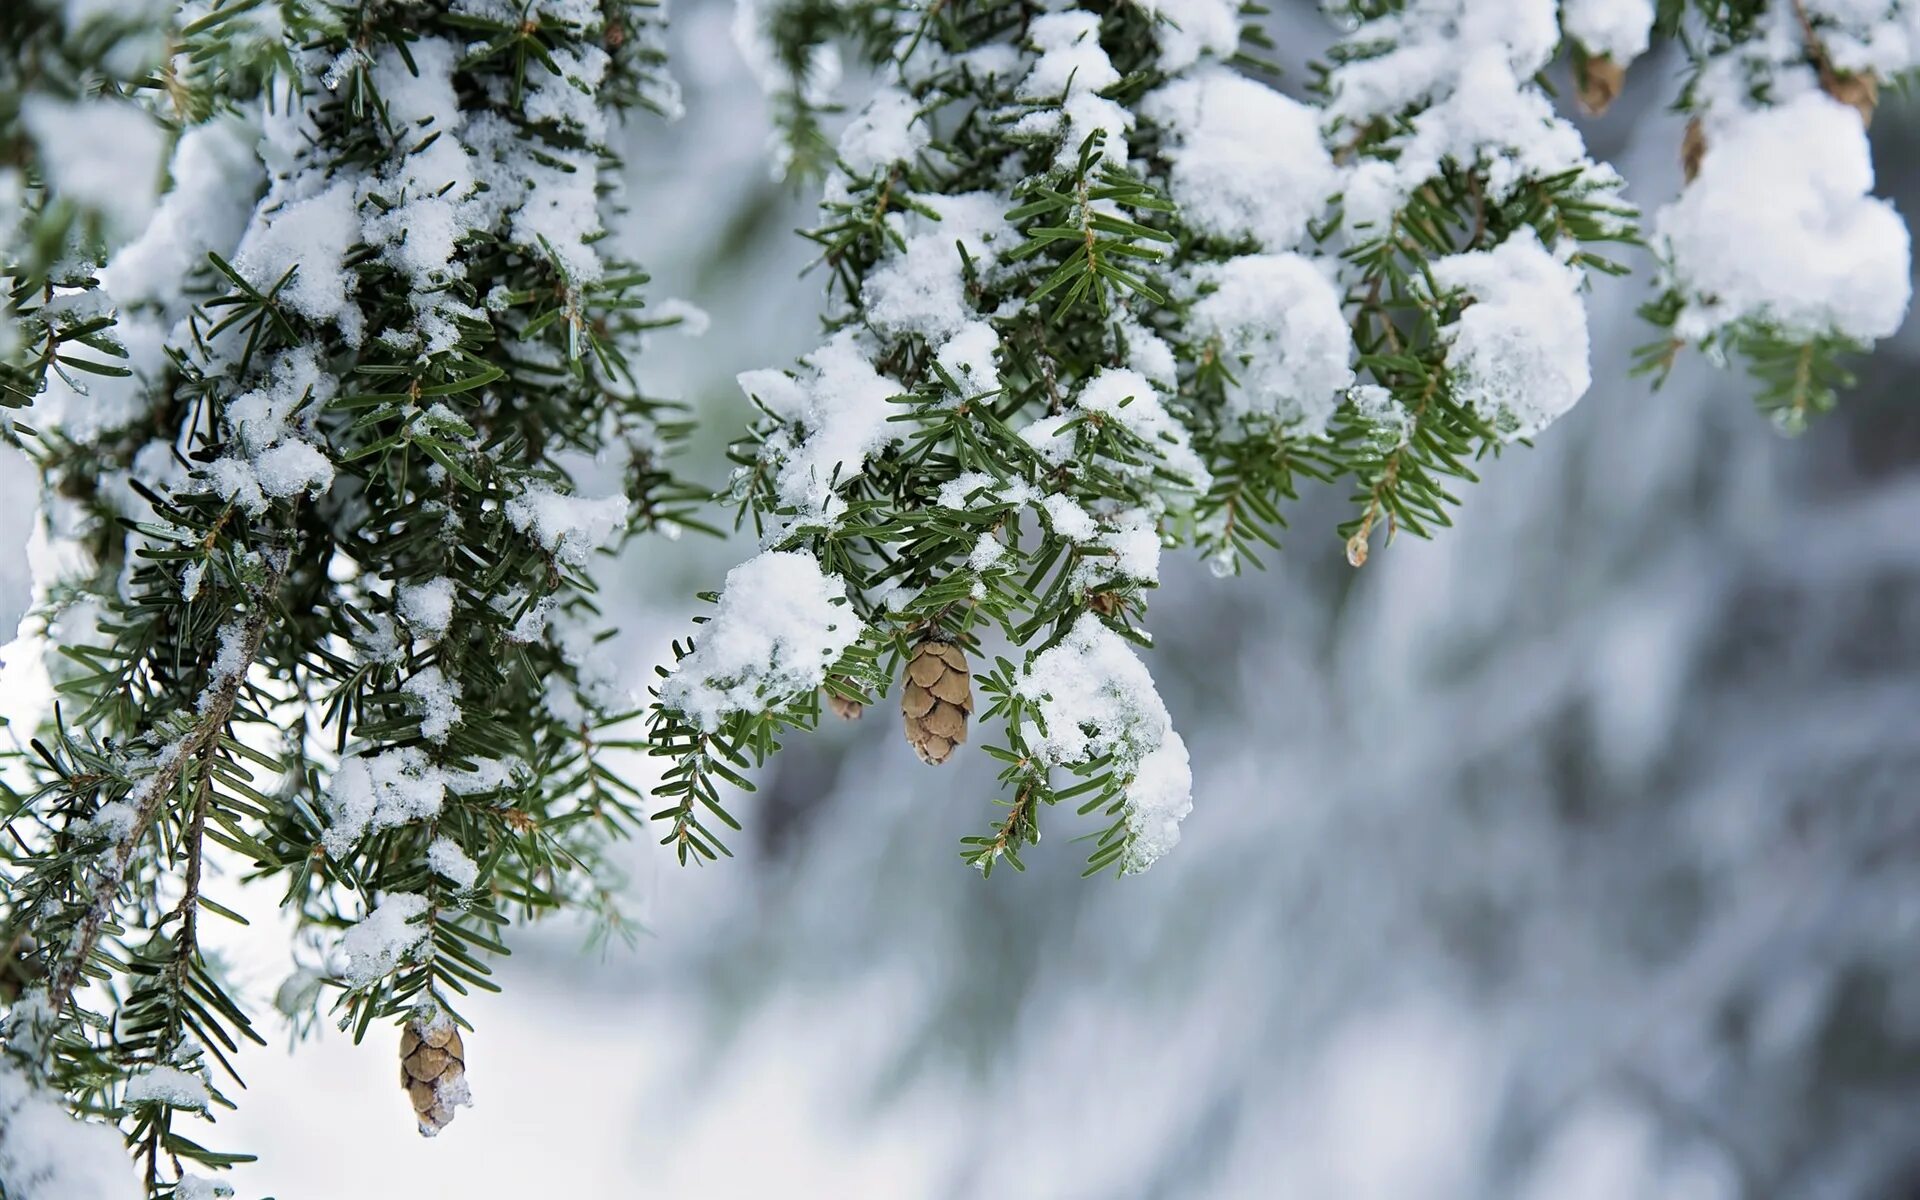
[[936, 700], [433, 1070], [1600, 80]]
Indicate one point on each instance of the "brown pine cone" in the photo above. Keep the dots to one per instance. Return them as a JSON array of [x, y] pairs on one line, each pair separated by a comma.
[[1599, 81], [936, 700], [433, 1070]]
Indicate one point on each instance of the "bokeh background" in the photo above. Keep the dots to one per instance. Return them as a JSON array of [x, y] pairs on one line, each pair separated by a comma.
[[1572, 856]]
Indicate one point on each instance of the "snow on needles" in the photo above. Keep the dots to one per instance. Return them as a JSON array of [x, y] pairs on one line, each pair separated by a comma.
[[1819, 257], [1277, 320], [1246, 160], [1464, 68], [1618, 29], [1098, 700], [46, 1153], [780, 625], [1518, 353], [834, 417], [382, 941], [568, 527]]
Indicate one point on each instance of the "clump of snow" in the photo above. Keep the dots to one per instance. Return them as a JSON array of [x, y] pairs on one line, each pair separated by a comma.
[[170, 1086], [566, 93], [215, 173], [199, 1187], [922, 289], [451, 863], [46, 1153], [1247, 162], [1820, 256], [104, 155], [438, 699], [1071, 70], [1618, 29], [1188, 29], [383, 940], [370, 793], [1130, 400], [779, 626], [311, 238], [968, 356], [428, 607], [1098, 700], [1880, 36], [834, 416], [268, 422], [570, 528], [1464, 68], [888, 130], [1518, 353], [1278, 327]]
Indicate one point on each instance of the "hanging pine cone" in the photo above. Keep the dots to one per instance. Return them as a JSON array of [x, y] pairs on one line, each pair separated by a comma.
[[433, 1069], [1599, 80], [936, 700]]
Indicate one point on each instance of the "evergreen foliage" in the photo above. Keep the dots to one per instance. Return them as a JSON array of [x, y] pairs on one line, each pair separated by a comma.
[[308, 397]]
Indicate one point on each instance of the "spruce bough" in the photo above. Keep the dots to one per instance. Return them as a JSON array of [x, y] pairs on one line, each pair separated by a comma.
[[304, 373]]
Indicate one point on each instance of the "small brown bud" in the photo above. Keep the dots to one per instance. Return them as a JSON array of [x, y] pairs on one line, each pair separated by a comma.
[[935, 699], [845, 709], [1599, 80], [1693, 149], [1861, 91], [433, 1070]]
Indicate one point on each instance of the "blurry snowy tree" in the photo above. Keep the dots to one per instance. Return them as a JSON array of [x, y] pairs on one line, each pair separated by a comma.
[[312, 327]]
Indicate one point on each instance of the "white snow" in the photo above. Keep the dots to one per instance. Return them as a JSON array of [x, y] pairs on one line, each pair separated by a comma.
[[370, 793], [969, 355], [1247, 162], [1779, 227], [382, 941], [46, 1153], [200, 1187], [835, 415], [104, 155], [1518, 354], [1129, 399], [428, 607], [215, 174], [780, 625], [439, 700], [1618, 29], [1464, 67], [887, 131], [570, 528], [923, 289], [170, 1086], [1277, 322], [1188, 29], [1097, 699], [451, 863], [1070, 71], [310, 237]]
